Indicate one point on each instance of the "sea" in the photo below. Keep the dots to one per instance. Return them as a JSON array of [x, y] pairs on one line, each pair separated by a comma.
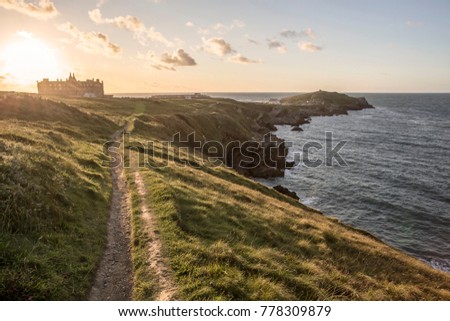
[[395, 178]]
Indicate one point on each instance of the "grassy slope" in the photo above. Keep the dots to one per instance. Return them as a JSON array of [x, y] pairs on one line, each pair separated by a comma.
[[54, 197], [229, 238], [226, 236], [320, 96]]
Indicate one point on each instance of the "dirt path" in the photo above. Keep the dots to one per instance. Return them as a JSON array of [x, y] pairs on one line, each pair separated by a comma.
[[163, 273], [114, 277]]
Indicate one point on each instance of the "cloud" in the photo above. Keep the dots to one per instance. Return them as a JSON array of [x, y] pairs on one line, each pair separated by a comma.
[[91, 42], [25, 34], [253, 41], [308, 33], [179, 58], [221, 48], [275, 44], [240, 59], [217, 46], [3, 82], [308, 46], [220, 28], [189, 24], [133, 24], [168, 61], [100, 3], [43, 9]]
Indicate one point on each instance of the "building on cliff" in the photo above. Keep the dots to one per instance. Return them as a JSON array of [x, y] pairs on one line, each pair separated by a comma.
[[71, 87]]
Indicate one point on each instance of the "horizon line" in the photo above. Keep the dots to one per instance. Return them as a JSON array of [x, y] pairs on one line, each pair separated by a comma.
[[249, 92]]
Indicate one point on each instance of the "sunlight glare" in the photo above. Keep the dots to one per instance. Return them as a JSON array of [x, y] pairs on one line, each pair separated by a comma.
[[27, 59]]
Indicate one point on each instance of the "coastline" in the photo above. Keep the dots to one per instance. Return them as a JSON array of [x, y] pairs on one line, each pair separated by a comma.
[[365, 200]]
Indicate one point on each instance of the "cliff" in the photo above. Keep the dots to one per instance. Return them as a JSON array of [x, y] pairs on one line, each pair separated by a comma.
[[231, 122]]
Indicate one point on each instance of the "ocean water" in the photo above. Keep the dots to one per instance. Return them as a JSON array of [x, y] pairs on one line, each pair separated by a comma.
[[396, 184]]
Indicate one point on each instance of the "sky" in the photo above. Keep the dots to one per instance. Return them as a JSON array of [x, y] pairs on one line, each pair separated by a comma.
[[145, 46]]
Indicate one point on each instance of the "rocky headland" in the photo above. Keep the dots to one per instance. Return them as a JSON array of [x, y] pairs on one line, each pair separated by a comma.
[[295, 111]]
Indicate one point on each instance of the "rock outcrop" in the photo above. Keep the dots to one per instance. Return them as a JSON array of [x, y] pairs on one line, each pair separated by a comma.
[[294, 111], [286, 191], [244, 129]]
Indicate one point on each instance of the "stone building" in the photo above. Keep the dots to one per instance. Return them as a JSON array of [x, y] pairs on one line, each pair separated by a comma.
[[71, 87]]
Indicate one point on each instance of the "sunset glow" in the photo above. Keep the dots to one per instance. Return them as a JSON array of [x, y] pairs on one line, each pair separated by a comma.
[[27, 59]]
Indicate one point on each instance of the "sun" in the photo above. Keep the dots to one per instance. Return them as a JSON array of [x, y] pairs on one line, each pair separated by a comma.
[[26, 59]]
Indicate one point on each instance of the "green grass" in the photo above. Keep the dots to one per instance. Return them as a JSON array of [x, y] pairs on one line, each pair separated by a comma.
[[54, 198], [229, 238], [321, 97], [144, 286]]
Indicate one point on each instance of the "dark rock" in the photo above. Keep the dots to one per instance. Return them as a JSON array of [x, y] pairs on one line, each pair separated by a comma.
[[363, 103], [296, 129], [285, 191], [290, 164]]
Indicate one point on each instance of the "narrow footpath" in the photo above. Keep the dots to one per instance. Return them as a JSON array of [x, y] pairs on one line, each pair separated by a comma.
[[114, 277], [156, 259]]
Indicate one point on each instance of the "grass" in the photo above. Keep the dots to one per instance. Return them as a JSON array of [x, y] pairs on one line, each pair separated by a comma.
[[230, 238], [320, 97], [226, 237], [144, 286], [54, 197]]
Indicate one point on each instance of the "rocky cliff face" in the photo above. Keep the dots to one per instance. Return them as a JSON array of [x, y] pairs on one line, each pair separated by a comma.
[[244, 129], [295, 111]]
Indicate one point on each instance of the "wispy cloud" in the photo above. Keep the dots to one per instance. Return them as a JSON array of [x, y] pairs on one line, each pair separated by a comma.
[[168, 61], [217, 46], [309, 47], [278, 45], [240, 59], [251, 40], [43, 9], [292, 34], [91, 42], [141, 32], [220, 47], [6, 79], [222, 28], [218, 28], [101, 3]]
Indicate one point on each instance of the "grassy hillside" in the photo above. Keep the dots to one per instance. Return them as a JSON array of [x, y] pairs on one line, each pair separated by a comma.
[[230, 238], [321, 98], [225, 236], [54, 197]]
